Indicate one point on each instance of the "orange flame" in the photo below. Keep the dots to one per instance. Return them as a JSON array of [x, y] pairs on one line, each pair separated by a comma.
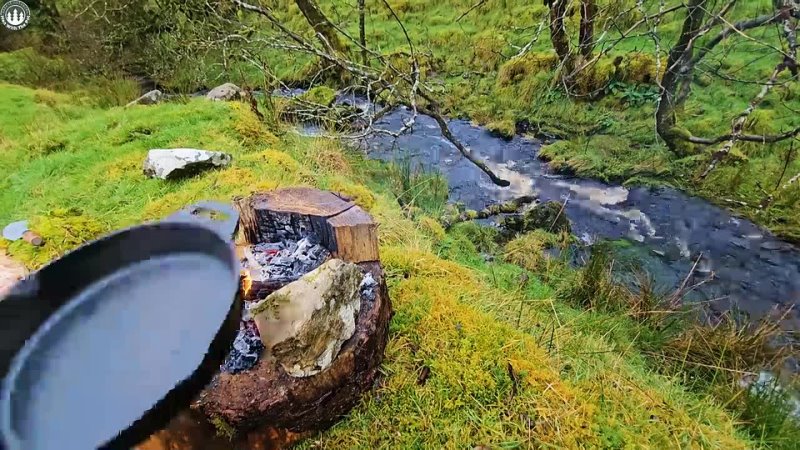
[[247, 284]]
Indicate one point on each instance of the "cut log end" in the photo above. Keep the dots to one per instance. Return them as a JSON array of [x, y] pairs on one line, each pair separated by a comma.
[[344, 228]]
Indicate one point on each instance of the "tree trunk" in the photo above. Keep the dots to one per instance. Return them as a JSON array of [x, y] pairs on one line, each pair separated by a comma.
[[325, 30], [707, 47], [558, 31], [362, 37], [679, 57], [588, 14]]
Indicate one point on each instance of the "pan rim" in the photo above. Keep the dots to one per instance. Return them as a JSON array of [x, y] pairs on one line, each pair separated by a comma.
[[140, 428]]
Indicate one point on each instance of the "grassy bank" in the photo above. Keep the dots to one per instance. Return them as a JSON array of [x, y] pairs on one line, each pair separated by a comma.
[[511, 361]]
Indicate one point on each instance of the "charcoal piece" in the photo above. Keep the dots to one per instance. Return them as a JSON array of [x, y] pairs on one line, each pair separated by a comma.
[[245, 351]]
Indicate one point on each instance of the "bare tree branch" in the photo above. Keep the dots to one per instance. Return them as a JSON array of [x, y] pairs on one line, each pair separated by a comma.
[[761, 139], [414, 87], [788, 63], [472, 8]]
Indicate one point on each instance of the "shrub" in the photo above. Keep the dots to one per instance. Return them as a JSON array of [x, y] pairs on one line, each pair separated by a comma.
[[29, 68]]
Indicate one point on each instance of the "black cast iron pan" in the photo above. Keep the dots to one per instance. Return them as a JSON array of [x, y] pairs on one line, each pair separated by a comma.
[[102, 347]]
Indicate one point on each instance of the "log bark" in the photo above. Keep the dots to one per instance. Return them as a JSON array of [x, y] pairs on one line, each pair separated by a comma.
[[507, 207]]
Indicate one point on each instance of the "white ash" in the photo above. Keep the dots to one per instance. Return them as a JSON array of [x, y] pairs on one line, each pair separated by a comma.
[[245, 350], [288, 260], [367, 287]]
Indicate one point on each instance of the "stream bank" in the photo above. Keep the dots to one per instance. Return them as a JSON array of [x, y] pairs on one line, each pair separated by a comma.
[[750, 268]]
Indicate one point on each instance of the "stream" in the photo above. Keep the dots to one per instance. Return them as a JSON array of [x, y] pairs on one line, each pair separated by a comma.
[[668, 230]]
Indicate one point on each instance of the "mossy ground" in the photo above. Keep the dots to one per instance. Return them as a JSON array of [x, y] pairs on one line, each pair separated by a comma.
[[509, 365]]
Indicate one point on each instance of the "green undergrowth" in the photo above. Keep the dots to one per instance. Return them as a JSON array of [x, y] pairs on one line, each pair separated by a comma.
[[29, 68], [485, 349]]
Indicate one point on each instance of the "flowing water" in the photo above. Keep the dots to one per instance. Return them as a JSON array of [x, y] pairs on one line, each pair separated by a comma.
[[669, 230]]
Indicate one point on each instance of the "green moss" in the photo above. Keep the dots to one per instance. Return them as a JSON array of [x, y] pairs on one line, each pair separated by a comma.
[[530, 251], [432, 228], [267, 306], [640, 68], [592, 81], [607, 157], [517, 69], [357, 192], [321, 95], [486, 48], [505, 129], [679, 138], [223, 429]]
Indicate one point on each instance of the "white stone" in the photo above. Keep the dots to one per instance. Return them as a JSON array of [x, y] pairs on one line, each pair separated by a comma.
[[150, 98], [177, 162], [304, 324], [225, 92]]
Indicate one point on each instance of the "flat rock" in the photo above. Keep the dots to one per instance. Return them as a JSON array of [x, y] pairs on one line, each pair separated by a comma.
[[10, 272], [169, 164], [304, 324], [150, 98], [225, 92]]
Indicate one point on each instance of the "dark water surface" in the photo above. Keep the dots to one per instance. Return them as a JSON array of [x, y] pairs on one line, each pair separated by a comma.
[[671, 230]]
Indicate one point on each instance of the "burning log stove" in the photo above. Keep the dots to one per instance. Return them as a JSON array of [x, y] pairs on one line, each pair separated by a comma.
[[316, 317]]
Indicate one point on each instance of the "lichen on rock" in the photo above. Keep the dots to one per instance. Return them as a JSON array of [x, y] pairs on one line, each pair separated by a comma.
[[304, 324]]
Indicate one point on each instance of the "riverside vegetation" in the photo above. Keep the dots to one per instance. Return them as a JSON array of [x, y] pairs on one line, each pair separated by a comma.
[[495, 343]]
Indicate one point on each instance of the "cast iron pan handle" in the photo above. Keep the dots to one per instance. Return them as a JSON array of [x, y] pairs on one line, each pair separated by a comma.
[[220, 217]]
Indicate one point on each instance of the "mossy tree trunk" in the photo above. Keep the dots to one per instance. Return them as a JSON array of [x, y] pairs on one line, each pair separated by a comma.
[[586, 40], [679, 58], [558, 32], [570, 62], [324, 28], [362, 36]]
